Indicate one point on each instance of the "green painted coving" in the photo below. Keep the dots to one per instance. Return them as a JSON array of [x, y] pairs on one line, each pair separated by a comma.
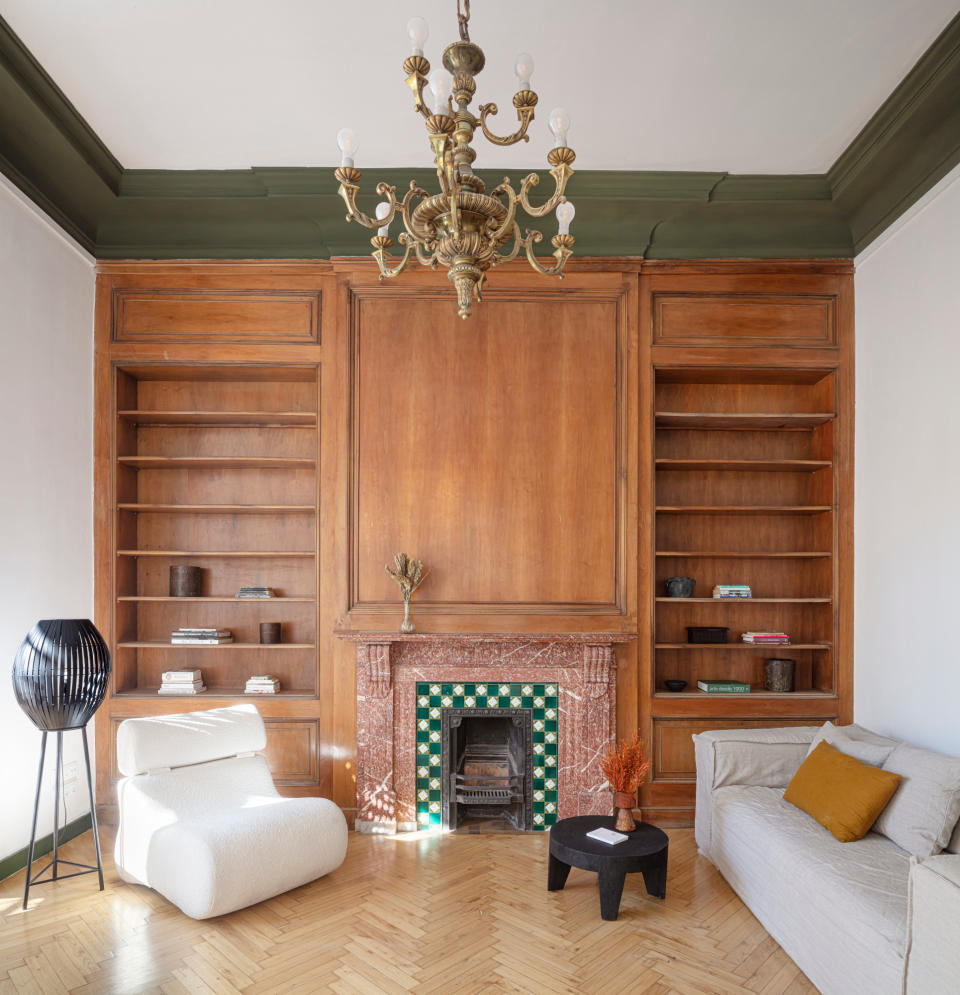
[[17, 861], [56, 159]]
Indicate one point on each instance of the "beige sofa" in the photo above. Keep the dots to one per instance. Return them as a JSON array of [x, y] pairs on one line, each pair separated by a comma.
[[863, 918]]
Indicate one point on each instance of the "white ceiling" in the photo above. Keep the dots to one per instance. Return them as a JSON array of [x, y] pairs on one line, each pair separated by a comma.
[[746, 86]]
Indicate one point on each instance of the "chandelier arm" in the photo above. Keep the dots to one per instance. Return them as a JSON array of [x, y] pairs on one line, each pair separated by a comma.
[[405, 206], [425, 258], [502, 233], [382, 258], [562, 253], [506, 257], [349, 191], [560, 176], [524, 115]]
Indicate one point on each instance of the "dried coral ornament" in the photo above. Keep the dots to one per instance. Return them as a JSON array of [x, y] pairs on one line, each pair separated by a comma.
[[463, 228]]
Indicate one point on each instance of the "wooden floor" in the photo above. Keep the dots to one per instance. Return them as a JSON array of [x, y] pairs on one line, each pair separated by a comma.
[[461, 913]]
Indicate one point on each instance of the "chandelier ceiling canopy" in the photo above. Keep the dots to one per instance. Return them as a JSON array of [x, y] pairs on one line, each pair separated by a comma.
[[462, 227]]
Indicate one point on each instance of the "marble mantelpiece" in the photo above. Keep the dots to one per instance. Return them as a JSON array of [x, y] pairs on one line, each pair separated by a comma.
[[583, 666]]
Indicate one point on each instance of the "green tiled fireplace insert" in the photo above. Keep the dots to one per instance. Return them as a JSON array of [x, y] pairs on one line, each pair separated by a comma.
[[541, 699]]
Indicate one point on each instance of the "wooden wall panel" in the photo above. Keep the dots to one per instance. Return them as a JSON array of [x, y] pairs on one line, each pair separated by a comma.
[[292, 750], [222, 315], [492, 449], [686, 318], [673, 742]]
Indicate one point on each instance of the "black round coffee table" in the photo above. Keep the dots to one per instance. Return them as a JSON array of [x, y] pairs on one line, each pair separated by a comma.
[[645, 851]]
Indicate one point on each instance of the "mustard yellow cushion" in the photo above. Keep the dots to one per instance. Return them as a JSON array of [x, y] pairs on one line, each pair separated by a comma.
[[841, 793]]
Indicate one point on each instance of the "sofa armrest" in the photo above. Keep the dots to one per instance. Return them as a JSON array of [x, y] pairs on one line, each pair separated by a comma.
[[765, 757], [933, 955]]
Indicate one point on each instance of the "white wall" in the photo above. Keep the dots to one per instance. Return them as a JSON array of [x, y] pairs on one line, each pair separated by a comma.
[[907, 655], [46, 485]]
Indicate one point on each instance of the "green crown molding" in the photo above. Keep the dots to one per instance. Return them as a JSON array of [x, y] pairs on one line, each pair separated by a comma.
[[56, 159], [908, 146]]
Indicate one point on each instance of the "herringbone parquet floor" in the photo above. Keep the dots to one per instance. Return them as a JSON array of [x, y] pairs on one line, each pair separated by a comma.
[[460, 913]]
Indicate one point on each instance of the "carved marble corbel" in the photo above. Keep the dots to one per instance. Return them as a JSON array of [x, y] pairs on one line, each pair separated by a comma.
[[378, 669], [599, 669]]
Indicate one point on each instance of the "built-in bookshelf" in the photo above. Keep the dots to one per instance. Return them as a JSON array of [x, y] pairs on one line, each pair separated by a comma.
[[744, 494], [216, 466]]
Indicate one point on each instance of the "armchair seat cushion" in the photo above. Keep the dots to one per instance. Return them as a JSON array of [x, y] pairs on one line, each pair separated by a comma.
[[214, 864]]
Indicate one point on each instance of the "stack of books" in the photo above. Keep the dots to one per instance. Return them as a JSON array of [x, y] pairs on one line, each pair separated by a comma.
[[723, 687], [731, 591], [255, 593], [200, 637], [181, 682], [766, 638], [264, 684]]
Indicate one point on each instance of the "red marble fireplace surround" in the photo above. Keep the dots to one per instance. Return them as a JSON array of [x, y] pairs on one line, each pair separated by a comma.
[[582, 665]]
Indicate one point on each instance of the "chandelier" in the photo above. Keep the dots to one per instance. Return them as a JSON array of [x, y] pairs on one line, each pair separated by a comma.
[[463, 228]]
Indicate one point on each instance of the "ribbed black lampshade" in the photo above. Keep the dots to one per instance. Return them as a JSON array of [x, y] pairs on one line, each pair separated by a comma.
[[60, 673]]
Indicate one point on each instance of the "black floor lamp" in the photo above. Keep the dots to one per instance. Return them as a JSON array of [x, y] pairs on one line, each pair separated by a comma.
[[60, 678]]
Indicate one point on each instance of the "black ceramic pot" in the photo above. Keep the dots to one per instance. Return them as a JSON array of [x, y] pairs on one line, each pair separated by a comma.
[[680, 587]]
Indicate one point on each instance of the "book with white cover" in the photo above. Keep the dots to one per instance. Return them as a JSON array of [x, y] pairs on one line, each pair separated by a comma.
[[607, 836]]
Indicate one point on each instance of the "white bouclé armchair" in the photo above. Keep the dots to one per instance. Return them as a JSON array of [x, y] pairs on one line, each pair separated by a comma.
[[201, 821]]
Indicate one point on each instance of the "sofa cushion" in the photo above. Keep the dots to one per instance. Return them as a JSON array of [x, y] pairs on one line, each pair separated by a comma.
[[855, 741], [924, 810], [842, 794], [779, 851]]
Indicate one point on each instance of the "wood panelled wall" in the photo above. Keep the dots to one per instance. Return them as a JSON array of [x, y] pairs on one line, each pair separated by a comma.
[[514, 452]]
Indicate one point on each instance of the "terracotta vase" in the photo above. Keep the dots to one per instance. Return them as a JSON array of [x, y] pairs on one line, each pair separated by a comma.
[[623, 802]]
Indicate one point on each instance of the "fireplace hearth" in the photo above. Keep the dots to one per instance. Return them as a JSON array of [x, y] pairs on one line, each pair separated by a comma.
[[487, 766]]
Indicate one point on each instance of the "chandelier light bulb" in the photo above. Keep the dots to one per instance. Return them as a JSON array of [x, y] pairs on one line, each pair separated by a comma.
[[348, 144], [383, 209], [441, 86], [523, 67], [418, 31], [565, 213], [559, 123]]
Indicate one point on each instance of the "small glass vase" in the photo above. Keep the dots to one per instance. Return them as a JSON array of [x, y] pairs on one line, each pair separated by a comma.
[[623, 802]]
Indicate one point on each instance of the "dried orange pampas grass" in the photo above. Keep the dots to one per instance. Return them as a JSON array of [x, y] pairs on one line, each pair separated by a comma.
[[624, 765]]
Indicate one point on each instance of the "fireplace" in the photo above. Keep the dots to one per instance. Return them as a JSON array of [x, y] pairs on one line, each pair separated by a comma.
[[487, 766], [566, 685]]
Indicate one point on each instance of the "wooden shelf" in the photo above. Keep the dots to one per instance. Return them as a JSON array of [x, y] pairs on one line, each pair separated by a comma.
[[736, 420], [213, 552], [755, 692], [741, 375], [746, 465], [744, 509], [742, 646], [159, 644], [702, 554], [739, 601], [216, 462], [211, 692], [219, 509], [217, 599], [286, 419]]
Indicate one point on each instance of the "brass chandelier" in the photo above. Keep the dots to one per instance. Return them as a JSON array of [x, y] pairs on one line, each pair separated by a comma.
[[463, 227]]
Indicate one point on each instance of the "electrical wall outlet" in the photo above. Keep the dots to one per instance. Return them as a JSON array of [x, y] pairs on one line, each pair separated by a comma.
[[71, 778]]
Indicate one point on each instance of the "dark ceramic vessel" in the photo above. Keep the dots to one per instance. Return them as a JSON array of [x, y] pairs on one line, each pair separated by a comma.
[[680, 587]]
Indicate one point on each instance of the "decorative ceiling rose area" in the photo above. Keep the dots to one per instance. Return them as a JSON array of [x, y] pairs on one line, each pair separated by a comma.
[[463, 228]]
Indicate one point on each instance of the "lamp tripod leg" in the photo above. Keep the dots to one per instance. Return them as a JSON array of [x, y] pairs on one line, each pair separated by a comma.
[[56, 806], [93, 806], [36, 810]]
